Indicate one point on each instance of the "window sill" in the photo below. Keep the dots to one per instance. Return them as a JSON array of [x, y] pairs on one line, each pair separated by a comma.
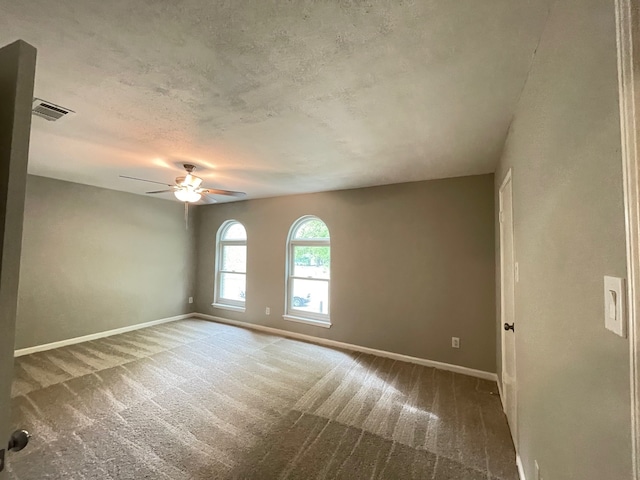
[[233, 308], [308, 321]]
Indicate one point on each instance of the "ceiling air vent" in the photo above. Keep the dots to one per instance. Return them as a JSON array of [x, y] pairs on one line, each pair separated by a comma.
[[49, 111]]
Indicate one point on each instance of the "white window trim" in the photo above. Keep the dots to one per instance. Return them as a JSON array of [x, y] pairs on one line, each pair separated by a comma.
[[224, 306], [308, 321], [218, 301], [291, 313]]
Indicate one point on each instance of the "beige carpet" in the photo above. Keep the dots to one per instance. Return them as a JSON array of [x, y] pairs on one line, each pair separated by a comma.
[[200, 400]]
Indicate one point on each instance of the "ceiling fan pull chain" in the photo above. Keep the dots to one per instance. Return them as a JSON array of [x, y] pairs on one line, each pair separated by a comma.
[[186, 215]]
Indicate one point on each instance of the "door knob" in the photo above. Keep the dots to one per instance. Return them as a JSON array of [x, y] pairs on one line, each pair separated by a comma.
[[508, 327], [18, 440]]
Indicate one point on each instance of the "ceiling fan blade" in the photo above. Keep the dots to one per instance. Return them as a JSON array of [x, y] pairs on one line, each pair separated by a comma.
[[215, 191], [143, 180], [159, 191], [207, 199]]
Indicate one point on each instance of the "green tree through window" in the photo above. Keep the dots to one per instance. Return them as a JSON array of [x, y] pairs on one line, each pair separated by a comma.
[[312, 256]]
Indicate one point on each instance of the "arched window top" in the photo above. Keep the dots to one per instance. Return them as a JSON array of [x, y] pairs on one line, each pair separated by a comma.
[[310, 228], [233, 230]]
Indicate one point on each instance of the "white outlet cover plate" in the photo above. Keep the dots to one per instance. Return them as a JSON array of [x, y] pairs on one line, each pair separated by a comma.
[[615, 315]]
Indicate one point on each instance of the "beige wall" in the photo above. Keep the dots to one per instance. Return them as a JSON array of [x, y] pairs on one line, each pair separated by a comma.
[[412, 265], [96, 259], [564, 149]]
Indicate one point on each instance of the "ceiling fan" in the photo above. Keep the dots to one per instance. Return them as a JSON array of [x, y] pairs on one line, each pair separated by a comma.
[[188, 188]]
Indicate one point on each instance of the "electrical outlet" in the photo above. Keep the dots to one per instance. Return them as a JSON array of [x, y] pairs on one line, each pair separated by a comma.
[[190, 299], [455, 342], [267, 311]]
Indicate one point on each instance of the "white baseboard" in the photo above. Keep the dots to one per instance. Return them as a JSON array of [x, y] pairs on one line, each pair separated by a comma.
[[520, 468], [357, 348], [518, 460], [499, 382], [95, 336], [321, 341]]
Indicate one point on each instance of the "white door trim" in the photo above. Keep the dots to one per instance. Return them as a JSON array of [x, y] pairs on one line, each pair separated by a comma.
[[628, 43], [507, 179]]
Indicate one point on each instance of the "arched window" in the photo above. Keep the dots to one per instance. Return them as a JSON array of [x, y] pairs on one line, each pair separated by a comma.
[[308, 272], [231, 266]]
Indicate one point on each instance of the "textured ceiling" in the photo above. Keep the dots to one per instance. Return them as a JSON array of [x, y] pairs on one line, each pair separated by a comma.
[[274, 97]]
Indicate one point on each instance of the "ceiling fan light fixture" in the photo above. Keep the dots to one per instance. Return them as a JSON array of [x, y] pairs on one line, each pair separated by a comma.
[[188, 188], [190, 181], [187, 195]]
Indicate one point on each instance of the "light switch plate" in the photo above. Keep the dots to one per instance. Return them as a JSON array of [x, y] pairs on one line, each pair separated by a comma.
[[615, 315]]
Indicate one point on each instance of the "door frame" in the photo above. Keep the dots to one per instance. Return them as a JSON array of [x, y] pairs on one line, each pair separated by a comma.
[[17, 76], [508, 178], [628, 54]]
